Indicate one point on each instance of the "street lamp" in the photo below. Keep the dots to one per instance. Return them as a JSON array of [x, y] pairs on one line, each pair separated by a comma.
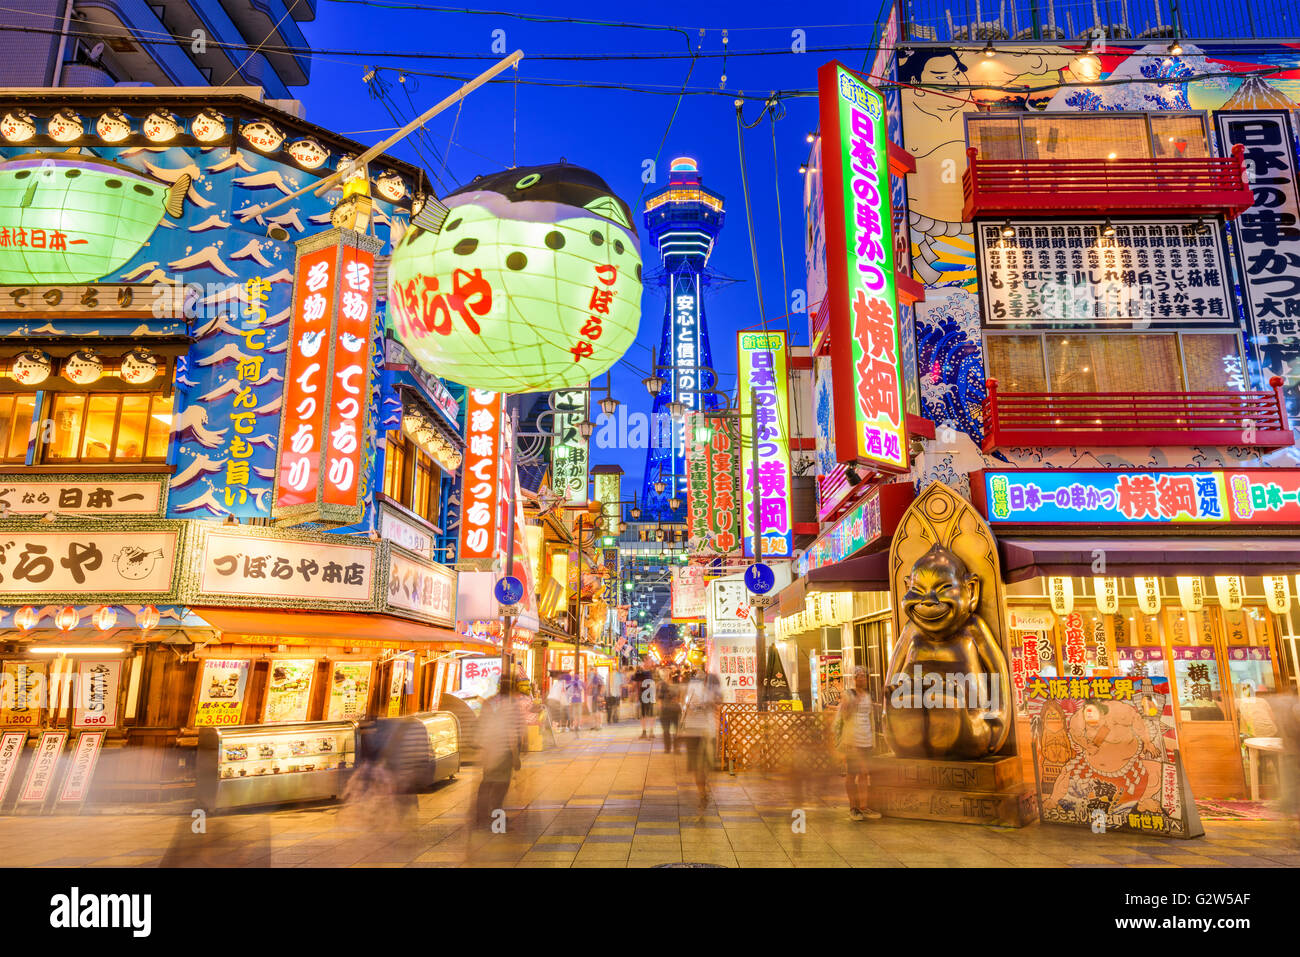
[[609, 405], [653, 384], [660, 486], [676, 409], [674, 503], [586, 427]]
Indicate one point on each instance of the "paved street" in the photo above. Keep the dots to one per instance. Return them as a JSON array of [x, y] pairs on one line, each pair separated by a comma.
[[607, 800]]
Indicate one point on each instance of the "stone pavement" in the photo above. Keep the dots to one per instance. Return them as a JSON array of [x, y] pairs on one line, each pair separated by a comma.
[[607, 799]]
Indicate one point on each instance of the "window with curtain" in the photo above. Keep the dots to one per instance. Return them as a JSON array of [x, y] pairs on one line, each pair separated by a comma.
[[1088, 136], [90, 428], [1213, 363], [395, 465], [1178, 136], [996, 139], [15, 425], [411, 478], [1016, 362]]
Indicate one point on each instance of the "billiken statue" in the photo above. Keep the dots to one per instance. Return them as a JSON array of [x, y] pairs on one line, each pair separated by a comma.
[[947, 695]]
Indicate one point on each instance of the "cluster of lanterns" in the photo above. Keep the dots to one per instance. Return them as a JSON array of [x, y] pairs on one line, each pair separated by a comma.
[[422, 431], [821, 609], [162, 126], [84, 367], [104, 618]]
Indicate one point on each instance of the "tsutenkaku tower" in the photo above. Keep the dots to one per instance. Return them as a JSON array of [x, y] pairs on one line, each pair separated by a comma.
[[683, 221]]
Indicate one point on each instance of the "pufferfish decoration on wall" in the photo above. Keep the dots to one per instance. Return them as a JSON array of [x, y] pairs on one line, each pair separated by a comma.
[[532, 282]]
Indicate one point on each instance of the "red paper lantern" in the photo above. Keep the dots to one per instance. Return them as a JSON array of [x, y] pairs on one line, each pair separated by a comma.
[[67, 618], [147, 617], [105, 617], [26, 617]]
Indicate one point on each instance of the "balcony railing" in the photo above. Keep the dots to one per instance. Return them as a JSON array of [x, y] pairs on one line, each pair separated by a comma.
[[1207, 185], [1141, 419]]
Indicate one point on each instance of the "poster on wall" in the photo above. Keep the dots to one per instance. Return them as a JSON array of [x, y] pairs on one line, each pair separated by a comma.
[[763, 362], [736, 668], [688, 592], [397, 684], [11, 749], [76, 784], [1106, 756], [288, 693], [24, 691], [221, 692], [349, 690], [479, 677], [96, 694], [42, 767]]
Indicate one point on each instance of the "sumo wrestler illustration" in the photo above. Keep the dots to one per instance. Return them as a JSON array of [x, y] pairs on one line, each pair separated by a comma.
[[963, 712], [1115, 751]]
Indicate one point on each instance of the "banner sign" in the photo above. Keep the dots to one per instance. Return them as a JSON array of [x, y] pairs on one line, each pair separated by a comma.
[[764, 367], [76, 785], [1221, 497], [327, 381], [866, 361], [40, 495], [1166, 273], [1106, 755], [569, 450], [688, 592], [236, 566], [1266, 238], [97, 685], [425, 589], [734, 658], [90, 562], [480, 482], [222, 683], [727, 607], [11, 749], [711, 479], [41, 770]]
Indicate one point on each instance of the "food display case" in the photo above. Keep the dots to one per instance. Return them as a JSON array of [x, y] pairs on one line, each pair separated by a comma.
[[418, 749], [275, 764], [466, 708]]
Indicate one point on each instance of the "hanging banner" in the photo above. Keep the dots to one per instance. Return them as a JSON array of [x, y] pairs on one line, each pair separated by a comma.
[[862, 307], [1266, 238], [569, 450], [688, 592], [41, 769], [1062, 592], [96, 693], [22, 694], [608, 491], [764, 367], [1106, 591], [711, 479], [1148, 594], [1191, 592], [1230, 590], [76, 784], [1277, 593], [480, 480], [221, 692], [1075, 650], [327, 381]]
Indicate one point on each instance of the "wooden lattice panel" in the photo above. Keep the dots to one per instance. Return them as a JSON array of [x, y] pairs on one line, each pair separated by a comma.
[[774, 740]]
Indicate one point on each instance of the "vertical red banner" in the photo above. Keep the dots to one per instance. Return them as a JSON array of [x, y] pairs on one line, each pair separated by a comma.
[[480, 482], [306, 379], [350, 383]]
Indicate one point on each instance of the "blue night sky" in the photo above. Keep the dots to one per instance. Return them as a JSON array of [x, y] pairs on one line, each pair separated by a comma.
[[609, 131]]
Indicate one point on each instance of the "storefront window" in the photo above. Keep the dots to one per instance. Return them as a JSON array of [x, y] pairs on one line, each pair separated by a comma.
[[1086, 362], [15, 426], [1075, 136], [411, 478], [92, 428]]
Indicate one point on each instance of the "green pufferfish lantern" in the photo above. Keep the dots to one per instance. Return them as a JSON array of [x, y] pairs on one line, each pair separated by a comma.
[[533, 282]]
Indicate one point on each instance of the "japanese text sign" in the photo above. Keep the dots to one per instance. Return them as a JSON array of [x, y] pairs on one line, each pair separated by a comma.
[[866, 365], [221, 692], [711, 510], [97, 685], [480, 484], [323, 430], [569, 450], [763, 360], [1227, 497], [92, 562], [423, 589], [239, 566]]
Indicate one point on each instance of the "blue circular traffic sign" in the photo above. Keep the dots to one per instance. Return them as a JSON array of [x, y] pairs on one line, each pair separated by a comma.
[[759, 578], [509, 590]]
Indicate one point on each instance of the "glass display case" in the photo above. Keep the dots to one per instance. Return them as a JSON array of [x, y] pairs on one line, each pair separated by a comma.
[[418, 749], [275, 764], [466, 710]]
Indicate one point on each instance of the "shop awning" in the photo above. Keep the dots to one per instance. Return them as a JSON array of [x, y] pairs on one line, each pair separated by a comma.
[[1024, 558], [859, 573], [268, 626]]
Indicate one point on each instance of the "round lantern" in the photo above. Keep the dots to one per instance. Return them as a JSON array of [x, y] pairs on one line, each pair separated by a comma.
[[208, 127], [391, 186], [532, 284], [264, 136], [308, 153], [31, 368], [160, 126], [26, 618], [18, 126], [139, 366], [147, 617], [83, 367], [65, 127], [67, 618], [113, 126], [105, 617]]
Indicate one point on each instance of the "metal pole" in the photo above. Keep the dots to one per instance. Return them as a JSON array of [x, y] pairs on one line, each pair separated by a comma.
[[507, 646], [760, 652]]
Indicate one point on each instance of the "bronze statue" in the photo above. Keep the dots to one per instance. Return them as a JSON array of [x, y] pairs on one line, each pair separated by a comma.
[[947, 694]]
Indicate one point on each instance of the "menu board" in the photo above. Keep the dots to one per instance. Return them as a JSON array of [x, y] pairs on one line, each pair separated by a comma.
[[11, 749], [288, 693], [97, 684], [396, 683], [1106, 755], [737, 668], [77, 783], [221, 692], [41, 770], [349, 690], [481, 676], [23, 685], [830, 681]]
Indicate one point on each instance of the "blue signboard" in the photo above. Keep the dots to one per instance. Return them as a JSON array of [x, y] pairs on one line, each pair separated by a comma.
[[759, 578], [509, 590]]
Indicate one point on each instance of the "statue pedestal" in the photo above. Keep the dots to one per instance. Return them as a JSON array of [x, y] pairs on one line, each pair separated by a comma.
[[987, 791]]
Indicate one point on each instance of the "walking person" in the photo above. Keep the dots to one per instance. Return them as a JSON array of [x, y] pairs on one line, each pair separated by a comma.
[[596, 696], [576, 692], [500, 729], [643, 692], [613, 694], [854, 735], [557, 701], [700, 728], [670, 713]]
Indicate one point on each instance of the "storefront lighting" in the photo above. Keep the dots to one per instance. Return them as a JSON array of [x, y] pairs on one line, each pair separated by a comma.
[[989, 51], [105, 617], [208, 126], [160, 127], [18, 126], [653, 384], [67, 618], [1175, 49], [1108, 228], [674, 503], [586, 427], [147, 618], [26, 618], [609, 405], [75, 650], [1008, 231]]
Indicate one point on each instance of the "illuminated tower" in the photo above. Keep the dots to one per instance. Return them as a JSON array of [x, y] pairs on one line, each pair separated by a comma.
[[683, 221]]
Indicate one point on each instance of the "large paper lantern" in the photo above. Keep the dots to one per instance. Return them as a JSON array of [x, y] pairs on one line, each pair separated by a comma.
[[533, 282]]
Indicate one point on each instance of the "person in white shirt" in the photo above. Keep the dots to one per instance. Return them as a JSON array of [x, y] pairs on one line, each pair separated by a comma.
[[855, 737], [613, 694]]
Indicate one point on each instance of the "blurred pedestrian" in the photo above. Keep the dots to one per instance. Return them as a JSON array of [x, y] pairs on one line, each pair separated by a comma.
[[700, 728], [643, 691], [500, 734], [670, 713], [576, 692], [557, 701], [613, 695], [596, 697], [1286, 715], [854, 735]]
